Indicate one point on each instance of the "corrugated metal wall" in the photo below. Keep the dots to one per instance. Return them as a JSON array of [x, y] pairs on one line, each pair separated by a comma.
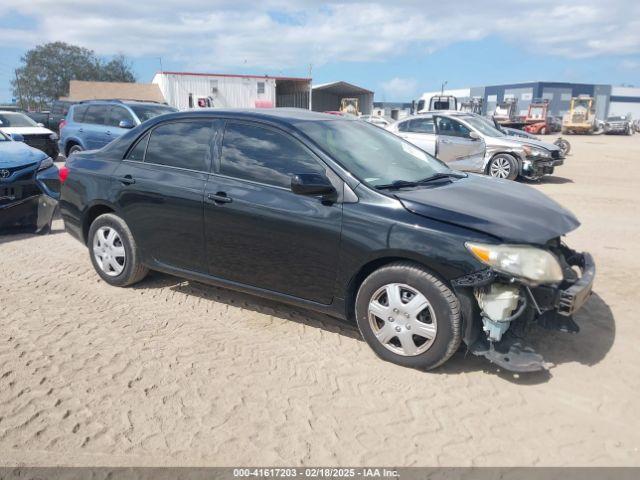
[[328, 102], [226, 92]]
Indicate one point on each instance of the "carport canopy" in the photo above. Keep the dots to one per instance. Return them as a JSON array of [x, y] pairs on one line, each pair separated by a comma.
[[327, 96]]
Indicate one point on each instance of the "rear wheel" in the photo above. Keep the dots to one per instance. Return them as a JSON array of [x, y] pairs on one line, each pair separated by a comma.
[[504, 166], [408, 316], [74, 149], [114, 252]]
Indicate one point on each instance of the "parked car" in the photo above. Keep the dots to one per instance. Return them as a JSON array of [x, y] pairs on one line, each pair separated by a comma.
[[29, 186], [376, 120], [560, 142], [469, 142], [33, 134], [51, 119], [92, 124], [338, 216], [618, 125]]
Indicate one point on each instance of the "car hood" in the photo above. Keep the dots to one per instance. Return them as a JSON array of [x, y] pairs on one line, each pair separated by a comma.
[[505, 209], [534, 142], [26, 130], [15, 154]]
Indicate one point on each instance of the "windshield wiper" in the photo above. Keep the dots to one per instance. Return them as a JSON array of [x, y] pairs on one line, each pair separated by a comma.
[[408, 184], [438, 176]]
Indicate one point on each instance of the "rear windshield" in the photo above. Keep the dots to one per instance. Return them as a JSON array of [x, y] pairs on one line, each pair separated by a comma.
[[146, 112], [16, 120]]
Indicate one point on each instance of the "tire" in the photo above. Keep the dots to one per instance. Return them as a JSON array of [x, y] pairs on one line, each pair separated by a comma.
[[74, 149], [115, 258], [564, 145], [503, 166], [440, 318]]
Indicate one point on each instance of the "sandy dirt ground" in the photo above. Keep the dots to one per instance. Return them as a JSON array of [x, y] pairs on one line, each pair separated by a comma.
[[172, 372]]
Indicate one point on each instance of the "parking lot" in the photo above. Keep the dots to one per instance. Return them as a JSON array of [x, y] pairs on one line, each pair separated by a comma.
[[172, 372]]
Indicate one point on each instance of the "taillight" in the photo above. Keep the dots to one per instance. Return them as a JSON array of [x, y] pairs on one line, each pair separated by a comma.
[[62, 124], [63, 173]]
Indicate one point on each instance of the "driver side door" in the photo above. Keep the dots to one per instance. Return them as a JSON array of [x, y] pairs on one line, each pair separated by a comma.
[[455, 145]]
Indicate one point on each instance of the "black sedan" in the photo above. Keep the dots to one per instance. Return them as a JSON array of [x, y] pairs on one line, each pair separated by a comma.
[[336, 215], [29, 187]]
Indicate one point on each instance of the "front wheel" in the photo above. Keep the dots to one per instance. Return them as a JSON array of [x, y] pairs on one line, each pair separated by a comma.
[[114, 252], [504, 166], [74, 149], [408, 316]]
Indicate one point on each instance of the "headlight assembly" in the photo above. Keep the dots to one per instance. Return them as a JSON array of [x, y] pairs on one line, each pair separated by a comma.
[[46, 163], [531, 151], [521, 261]]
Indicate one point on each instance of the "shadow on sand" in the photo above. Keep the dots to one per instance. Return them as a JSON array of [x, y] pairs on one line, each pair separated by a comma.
[[588, 347]]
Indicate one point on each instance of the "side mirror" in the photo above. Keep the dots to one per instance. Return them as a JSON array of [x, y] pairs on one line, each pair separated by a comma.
[[311, 184], [474, 135], [17, 137], [128, 124]]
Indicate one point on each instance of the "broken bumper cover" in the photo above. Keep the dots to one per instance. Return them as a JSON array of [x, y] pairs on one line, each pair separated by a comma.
[[549, 307]]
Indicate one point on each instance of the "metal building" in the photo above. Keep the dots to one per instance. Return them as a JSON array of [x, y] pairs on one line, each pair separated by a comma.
[[328, 97], [184, 90], [609, 100]]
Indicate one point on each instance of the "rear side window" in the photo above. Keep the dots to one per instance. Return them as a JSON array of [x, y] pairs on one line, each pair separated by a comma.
[[181, 144], [137, 153], [78, 113], [260, 154], [421, 125], [96, 115]]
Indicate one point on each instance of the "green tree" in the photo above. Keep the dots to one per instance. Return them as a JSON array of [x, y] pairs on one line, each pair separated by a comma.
[[46, 70]]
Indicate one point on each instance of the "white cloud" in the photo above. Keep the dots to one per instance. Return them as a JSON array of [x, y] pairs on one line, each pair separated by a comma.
[[399, 88], [209, 34]]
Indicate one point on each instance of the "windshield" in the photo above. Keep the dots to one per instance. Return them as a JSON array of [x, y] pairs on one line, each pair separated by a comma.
[[371, 154], [146, 112], [484, 126], [16, 120]]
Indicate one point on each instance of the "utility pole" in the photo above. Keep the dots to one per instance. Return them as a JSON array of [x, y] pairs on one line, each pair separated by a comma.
[[161, 69], [21, 102], [310, 85]]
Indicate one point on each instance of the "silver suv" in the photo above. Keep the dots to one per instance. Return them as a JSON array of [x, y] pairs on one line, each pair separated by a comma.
[[470, 142]]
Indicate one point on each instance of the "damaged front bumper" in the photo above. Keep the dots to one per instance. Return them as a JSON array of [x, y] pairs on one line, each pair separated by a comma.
[[499, 311], [535, 168]]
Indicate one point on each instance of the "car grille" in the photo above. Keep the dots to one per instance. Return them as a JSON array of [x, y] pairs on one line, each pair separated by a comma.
[[22, 171], [10, 194], [42, 142]]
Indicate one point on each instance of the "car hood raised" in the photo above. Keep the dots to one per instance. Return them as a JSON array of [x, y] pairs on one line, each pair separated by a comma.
[[16, 154], [505, 209]]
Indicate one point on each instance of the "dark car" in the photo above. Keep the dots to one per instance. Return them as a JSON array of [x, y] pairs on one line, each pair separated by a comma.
[[29, 187], [335, 215], [51, 119]]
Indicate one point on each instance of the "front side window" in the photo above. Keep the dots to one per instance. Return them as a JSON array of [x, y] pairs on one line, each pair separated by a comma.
[[452, 128], [96, 115], [117, 115], [403, 126], [181, 144], [260, 154], [370, 153]]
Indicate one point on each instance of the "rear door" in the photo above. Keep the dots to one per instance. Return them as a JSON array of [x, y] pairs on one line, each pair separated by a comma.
[[455, 146], [258, 232], [161, 186], [419, 131]]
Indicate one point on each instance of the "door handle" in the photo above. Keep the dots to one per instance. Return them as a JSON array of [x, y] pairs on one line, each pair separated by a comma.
[[127, 180], [219, 197], [81, 130], [444, 140]]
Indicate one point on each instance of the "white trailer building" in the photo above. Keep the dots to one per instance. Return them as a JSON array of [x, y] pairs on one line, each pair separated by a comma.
[[184, 90]]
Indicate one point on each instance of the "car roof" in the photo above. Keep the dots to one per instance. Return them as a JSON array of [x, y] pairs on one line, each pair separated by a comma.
[[119, 102], [277, 115]]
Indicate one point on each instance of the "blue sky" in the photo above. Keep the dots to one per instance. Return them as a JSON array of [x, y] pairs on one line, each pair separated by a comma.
[[399, 50]]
